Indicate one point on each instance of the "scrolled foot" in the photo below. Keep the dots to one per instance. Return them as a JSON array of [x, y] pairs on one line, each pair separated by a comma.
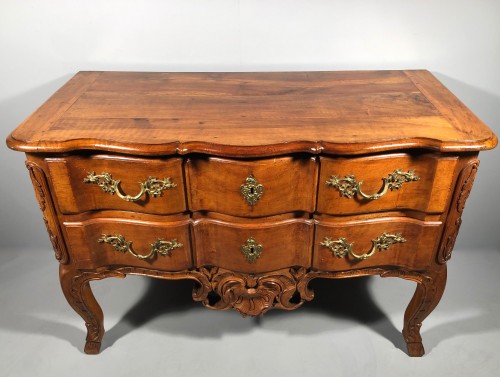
[[92, 348], [415, 349]]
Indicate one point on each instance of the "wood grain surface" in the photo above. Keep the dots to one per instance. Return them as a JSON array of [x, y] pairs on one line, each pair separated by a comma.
[[289, 184], [73, 195], [417, 252], [285, 243], [252, 114], [428, 194], [88, 253]]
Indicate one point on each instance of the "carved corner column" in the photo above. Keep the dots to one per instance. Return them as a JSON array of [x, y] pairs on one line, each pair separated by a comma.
[[454, 218], [40, 185]]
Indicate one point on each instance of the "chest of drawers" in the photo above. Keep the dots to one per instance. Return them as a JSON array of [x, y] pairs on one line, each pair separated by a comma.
[[252, 184]]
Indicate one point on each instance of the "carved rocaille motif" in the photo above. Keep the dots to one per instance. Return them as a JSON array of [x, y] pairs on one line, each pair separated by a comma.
[[254, 295], [454, 219], [39, 181]]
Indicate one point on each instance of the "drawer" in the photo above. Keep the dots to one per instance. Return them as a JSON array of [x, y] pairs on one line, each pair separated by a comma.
[[113, 241], [253, 247], [252, 188], [421, 182], [160, 181], [401, 242]]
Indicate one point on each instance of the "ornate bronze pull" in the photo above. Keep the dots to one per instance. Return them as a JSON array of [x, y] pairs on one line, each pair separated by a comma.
[[251, 190], [252, 250], [160, 246], [340, 248], [348, 186], [150, 186]]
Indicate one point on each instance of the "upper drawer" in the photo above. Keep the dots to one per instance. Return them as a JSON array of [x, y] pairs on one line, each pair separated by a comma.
[[85, 183], [385, 182], [252, 188]]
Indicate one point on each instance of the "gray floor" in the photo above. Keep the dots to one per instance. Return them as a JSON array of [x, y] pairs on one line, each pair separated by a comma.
[[350, 329]]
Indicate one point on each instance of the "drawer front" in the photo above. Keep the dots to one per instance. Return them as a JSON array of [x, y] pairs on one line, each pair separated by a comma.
[[401, 242], [253, 248], [103, 242], [77, 190], [421, 183], [252, 188]]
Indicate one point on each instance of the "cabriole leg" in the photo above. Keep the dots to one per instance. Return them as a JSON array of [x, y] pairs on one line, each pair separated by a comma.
[[77, 291], [427, 295]]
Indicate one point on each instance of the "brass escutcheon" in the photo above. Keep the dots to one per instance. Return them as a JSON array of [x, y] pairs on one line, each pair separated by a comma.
[[251, 190], [252, 250]]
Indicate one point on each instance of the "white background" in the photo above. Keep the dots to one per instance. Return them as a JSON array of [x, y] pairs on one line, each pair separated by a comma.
[[43, 43]]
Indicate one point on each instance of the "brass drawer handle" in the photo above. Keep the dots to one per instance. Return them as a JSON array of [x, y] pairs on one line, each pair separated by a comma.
[[348, 186], [251, 190], [150, 186], [160, 246], [340, 248], [252, 250]]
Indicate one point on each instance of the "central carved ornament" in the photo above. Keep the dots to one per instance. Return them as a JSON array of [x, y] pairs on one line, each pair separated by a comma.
[[254, 295]]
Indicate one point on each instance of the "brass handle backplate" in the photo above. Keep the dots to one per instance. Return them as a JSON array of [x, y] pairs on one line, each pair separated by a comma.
[[341, 248], [348, 186], [150, 186], [159, 247], [251, 190], [252, 250]]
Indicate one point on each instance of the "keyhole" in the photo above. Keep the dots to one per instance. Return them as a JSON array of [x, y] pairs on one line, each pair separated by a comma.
[[251, 250], [252, 190]]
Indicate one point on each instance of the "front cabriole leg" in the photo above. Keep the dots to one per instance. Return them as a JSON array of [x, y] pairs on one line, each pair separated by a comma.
[[427, 295], [76, 289], [430, 288]]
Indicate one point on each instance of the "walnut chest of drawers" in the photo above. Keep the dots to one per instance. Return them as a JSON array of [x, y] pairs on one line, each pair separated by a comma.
[[252, 184]]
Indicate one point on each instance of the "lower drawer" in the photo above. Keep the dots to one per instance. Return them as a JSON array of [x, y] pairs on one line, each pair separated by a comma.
[[103, 242], [401, 242], [253, 247]]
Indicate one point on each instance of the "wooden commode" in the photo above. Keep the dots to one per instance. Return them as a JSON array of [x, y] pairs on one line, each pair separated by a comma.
[[253, 184]]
